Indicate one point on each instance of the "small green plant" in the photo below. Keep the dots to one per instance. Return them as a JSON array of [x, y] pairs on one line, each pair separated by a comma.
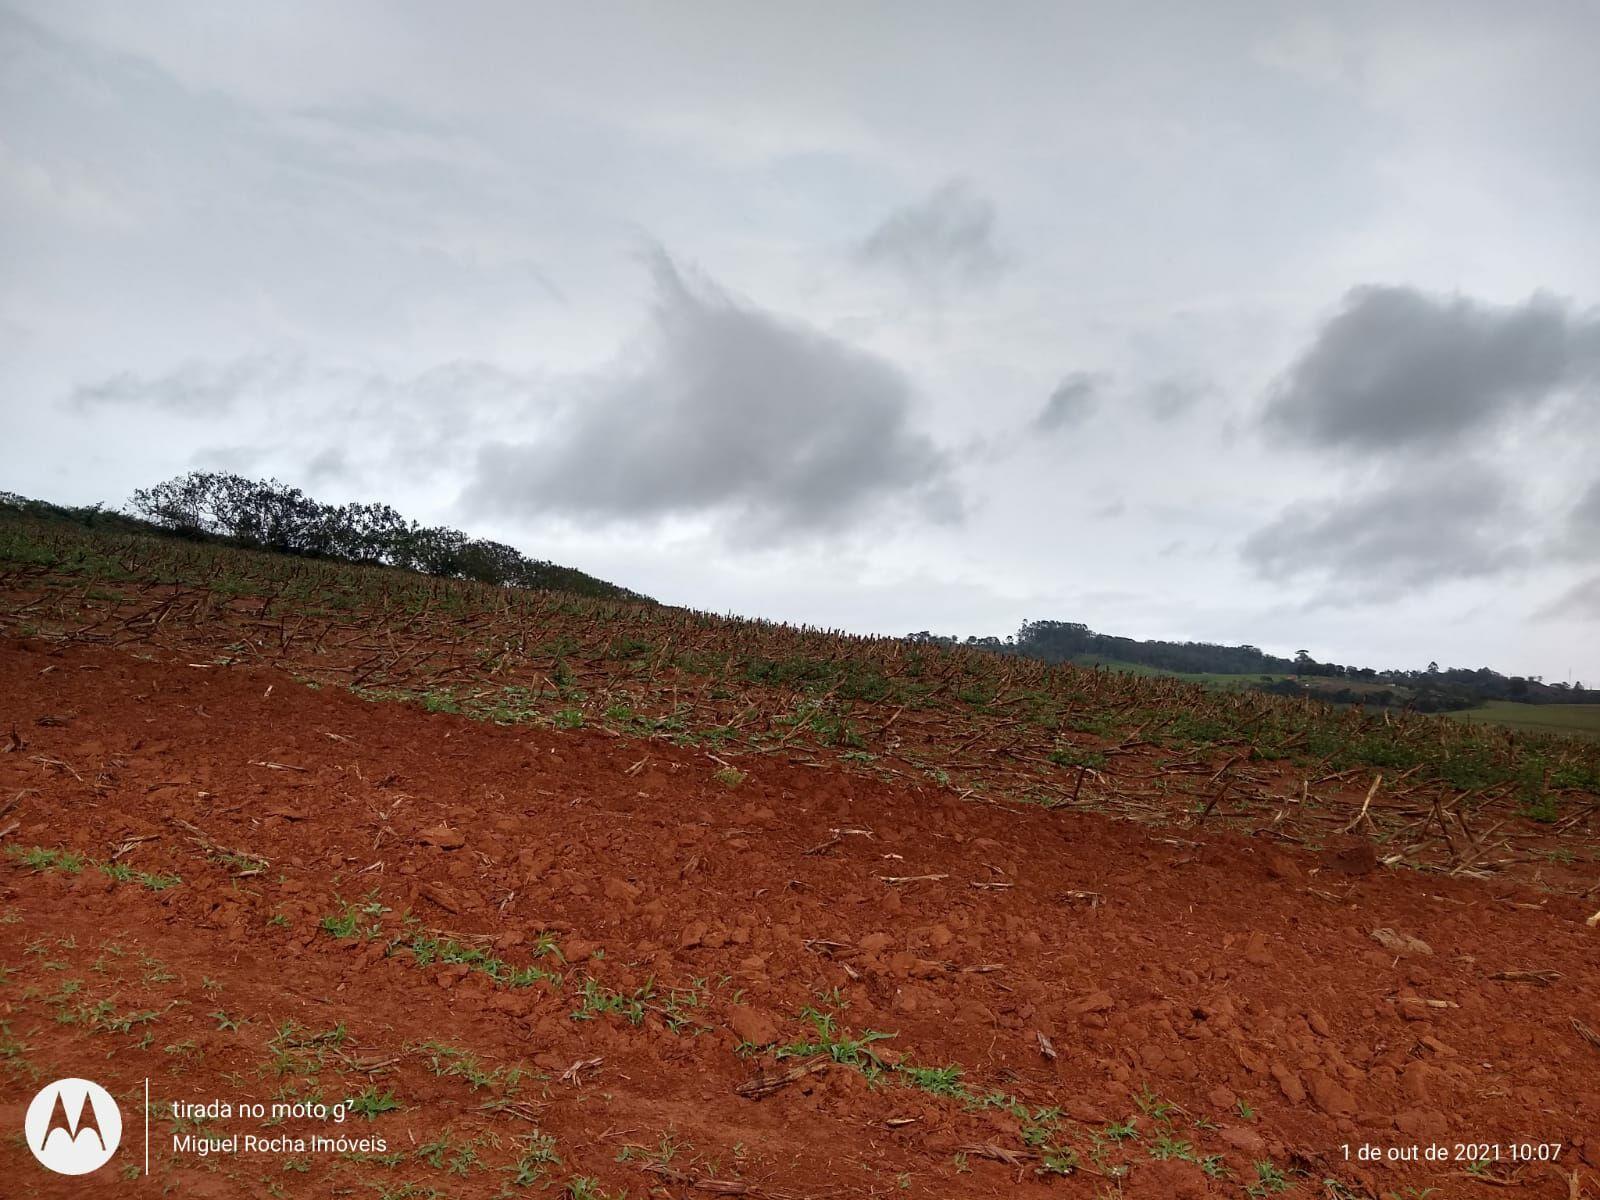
[[186, 1049], [123, 873], [103, 1017], [941, 1081], [340, 925], [408, 1191], [1057, 1160], [1076, 756], [363, 918], [453, 1061], [1039, 1127], [370, 1103], [13, 1052], [679, 1006], [1542, 808], [848, 1051], [1269, 1180], [392, 1159], [660, 1155], [596, 1000], [1121, 1131], [426, 949], [1152, 1105], [534, 1163], [436, 1152], [41, 858], [1166, 1146]]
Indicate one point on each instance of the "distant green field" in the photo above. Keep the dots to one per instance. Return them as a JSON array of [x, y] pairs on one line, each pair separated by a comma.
[[1212, 677], [1572, 719], [1231, 679], [1580, 719]]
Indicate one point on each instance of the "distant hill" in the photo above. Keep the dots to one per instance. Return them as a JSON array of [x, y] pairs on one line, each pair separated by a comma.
[[267, 515], [1430, 690]]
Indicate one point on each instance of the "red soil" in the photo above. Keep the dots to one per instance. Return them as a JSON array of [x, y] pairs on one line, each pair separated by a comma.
[[1211, 972]]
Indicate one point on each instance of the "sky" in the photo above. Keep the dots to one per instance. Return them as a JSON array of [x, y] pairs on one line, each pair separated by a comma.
[[1243, 322]]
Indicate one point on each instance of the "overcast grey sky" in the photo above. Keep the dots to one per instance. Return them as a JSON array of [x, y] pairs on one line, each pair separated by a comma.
[[1243, 322]]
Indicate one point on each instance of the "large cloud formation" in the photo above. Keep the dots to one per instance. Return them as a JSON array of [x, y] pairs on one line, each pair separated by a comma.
[[1399, 369], [1424, 529], [730, 410]]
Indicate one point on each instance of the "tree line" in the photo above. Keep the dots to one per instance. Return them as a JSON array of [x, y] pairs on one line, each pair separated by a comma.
[[1430, 690], [273, 516]]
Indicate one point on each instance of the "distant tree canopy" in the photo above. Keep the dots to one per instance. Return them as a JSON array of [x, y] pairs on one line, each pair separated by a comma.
[[1062, 641], [1428, 690], [268, 515]]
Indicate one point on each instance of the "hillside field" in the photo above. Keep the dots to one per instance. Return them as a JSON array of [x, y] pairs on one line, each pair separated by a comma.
[[1582, 720], [554, 895], [1576, 720]]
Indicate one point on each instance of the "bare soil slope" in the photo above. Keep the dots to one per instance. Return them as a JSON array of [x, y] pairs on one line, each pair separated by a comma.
[[599, 964]]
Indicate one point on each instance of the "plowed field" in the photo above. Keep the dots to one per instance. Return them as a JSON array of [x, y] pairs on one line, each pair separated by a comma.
[[531, 961]]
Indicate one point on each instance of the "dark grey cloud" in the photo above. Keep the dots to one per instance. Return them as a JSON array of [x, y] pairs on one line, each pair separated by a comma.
[[1398, 368], [1580, 536], [946, 239], [1579, 602], [1402, 536], [733, 410], [1072, 402], [1585, 516]]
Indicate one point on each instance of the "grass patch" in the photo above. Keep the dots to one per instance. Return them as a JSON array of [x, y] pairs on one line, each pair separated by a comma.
[[123, 873], [832, 1041], [532, 1167], [371, 1103], [42, 858], [454, 1062]]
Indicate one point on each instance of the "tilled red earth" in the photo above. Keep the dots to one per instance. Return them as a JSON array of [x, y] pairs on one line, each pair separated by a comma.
[[1133, 1011]]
